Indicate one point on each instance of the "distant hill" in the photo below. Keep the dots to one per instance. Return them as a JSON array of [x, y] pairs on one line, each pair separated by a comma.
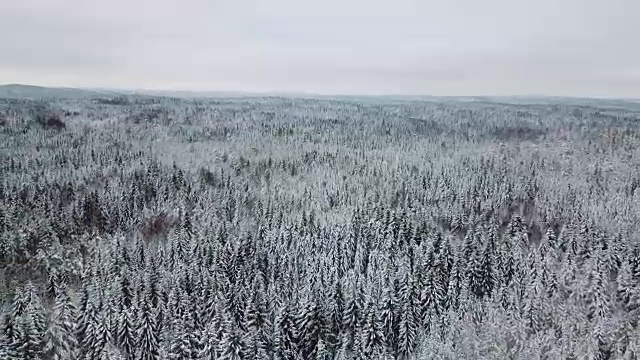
[[209, 94], [19, 91]]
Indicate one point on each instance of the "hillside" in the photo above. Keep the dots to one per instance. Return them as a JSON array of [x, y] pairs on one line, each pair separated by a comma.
[[19, 91]]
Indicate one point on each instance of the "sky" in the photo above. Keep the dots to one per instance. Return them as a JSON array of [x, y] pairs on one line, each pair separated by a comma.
[[413, 47]]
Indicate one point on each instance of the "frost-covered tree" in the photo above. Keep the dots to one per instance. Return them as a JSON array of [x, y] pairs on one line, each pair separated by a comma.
[[282, 228], [147, 334], [60, 338]]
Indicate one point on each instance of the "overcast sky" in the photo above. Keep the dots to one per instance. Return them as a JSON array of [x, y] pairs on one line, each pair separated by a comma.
[[437, 47]]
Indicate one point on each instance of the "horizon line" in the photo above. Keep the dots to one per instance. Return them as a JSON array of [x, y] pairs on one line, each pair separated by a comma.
[[293, 93]]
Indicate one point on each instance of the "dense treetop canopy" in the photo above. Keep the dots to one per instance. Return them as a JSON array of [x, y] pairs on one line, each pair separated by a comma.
[[278, 228]]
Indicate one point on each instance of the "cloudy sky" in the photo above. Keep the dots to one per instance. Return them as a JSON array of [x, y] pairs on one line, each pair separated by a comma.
[[437, 47]]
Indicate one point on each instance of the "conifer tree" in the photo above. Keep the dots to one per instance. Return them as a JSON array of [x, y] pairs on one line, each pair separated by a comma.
[[8, 348], [180, 347], [350, 319], [256, 340], [628, 290], [388, 320], [126, 337], [309, 326], [148, 347], [60, 338], [231, 345], [488, 275], [372, 336], [598, 294], [407, 330], [211, 345], [29, 340], [334, 316], [285, 334]]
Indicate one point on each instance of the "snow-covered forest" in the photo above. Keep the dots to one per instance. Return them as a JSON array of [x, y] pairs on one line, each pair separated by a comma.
[[141, 228]]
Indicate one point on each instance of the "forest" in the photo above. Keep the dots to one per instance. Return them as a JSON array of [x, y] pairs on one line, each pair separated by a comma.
[[144, 227]]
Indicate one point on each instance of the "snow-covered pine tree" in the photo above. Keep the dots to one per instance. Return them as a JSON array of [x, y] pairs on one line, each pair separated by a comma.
[[388, 319], [598, 295], [126, 337], [231, 345], [285, 333], [407, 331], [334, 317], [29, 341], [351, 317], [372, 335], [8, 348], [180, 346], [628, 288], [147, 334], [309, 325], [210, 343], [256, 338], [60, 338]]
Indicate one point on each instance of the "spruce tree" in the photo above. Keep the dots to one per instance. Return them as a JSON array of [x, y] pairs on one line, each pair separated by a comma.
[[372, 335], [8, 349], [628, 290], [407, 331], [29, 344], [126, 337], [147, 334], [388, 320], [309, 326], [60, 338], [285, 333], [231, 346]]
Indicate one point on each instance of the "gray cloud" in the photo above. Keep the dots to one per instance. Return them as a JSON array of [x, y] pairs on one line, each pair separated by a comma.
[[566, 47], [47, 44]]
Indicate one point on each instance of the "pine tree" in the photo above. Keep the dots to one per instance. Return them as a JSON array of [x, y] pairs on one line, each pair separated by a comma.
[[388, 320], [488, 275], [193, 329], [372, 336], [126, 337], [285, 334], [60, 338], [126, 292], [210, 344], [598, 296], [628, 289], [256, 323], [335, 310], [87, 331], [97, 335], [30, 341], [37, 311], [181, 342], [147, 334], [85, 311], [476, 274], [548, 243], [351, 317], [18, 308], [231, 346], [103, 330], [407, 331], [8, 348], [454, 286], [309, 325], [323, 352]]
